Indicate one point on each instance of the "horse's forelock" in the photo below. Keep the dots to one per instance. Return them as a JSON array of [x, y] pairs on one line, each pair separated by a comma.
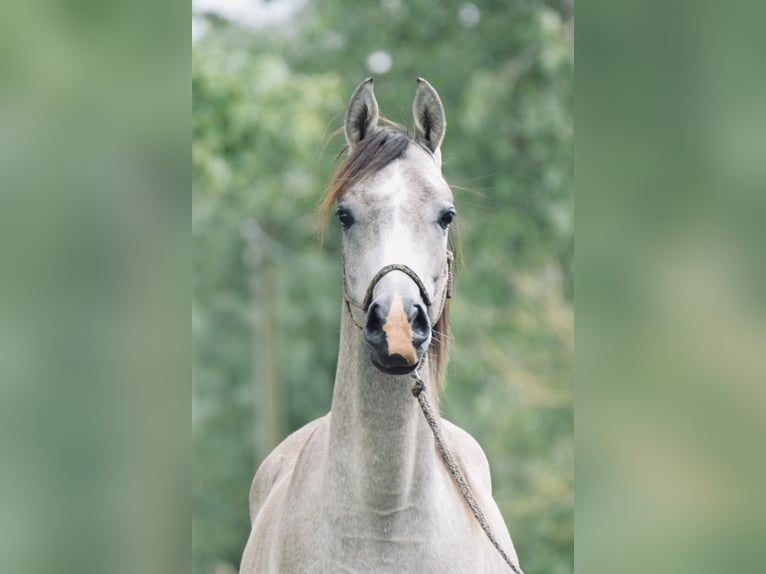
[[369, 156]]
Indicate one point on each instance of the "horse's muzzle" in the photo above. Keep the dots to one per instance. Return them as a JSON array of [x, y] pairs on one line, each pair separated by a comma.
[[397, 332]]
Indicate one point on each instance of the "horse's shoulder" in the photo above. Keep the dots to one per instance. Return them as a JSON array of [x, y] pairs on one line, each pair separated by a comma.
[[468, 451], [279, 463], [475, 465]]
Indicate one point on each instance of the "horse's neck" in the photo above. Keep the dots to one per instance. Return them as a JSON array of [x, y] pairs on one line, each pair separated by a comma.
[[381, 448]]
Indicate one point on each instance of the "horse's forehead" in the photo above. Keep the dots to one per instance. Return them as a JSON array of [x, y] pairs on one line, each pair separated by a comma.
[[411, 179]]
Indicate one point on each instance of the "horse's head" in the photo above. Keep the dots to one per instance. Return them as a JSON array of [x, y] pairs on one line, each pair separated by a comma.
[[395, 209]]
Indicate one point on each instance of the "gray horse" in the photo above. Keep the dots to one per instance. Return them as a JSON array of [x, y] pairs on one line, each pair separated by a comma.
[[364, 488]]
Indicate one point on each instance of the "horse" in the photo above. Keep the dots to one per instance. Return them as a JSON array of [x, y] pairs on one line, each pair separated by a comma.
[[364, 489]]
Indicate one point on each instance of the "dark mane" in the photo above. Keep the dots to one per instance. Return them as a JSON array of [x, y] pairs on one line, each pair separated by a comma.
[[438, 352], [384, 145]]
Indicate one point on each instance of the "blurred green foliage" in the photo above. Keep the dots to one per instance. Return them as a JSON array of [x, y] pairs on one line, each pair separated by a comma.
[[265, 101]]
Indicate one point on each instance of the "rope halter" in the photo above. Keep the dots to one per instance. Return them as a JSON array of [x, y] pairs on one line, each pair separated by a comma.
[[427, 301]]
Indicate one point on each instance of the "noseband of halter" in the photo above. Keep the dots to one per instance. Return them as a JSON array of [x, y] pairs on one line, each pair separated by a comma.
[[365, 305]]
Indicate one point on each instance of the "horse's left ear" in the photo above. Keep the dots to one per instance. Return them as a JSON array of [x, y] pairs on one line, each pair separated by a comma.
[[430, 123]]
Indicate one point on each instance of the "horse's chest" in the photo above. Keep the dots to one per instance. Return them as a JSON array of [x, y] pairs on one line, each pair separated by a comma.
[[396, 546], [323, 523], [411, 539]]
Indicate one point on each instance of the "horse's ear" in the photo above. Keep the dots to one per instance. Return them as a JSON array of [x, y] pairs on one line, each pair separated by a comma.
[[362, 114], [430, 123]]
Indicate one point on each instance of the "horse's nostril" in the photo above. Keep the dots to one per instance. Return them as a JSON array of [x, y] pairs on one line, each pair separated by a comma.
[[373, 327], [420, 325], [375, 318]]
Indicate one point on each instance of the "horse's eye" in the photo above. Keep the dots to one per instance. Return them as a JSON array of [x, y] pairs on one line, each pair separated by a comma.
[[345, 217], [447, 218]]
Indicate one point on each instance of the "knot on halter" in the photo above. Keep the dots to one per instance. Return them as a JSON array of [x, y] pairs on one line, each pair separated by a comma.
[[418, 387]]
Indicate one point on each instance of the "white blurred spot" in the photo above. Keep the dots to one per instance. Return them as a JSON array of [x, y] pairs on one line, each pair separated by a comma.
[[550, 22], [251, 13], [469, 15], [392, 5], [379, 62], [200, 27]]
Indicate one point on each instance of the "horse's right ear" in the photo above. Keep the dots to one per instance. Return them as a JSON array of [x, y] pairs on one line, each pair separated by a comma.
[[362, 114]]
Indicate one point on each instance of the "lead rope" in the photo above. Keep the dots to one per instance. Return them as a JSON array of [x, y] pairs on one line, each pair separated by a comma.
[[418, 390]]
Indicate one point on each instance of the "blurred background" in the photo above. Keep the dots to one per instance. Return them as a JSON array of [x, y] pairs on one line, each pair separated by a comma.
[[671, 287], [94, 268], [270, 82], [94, 286]]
